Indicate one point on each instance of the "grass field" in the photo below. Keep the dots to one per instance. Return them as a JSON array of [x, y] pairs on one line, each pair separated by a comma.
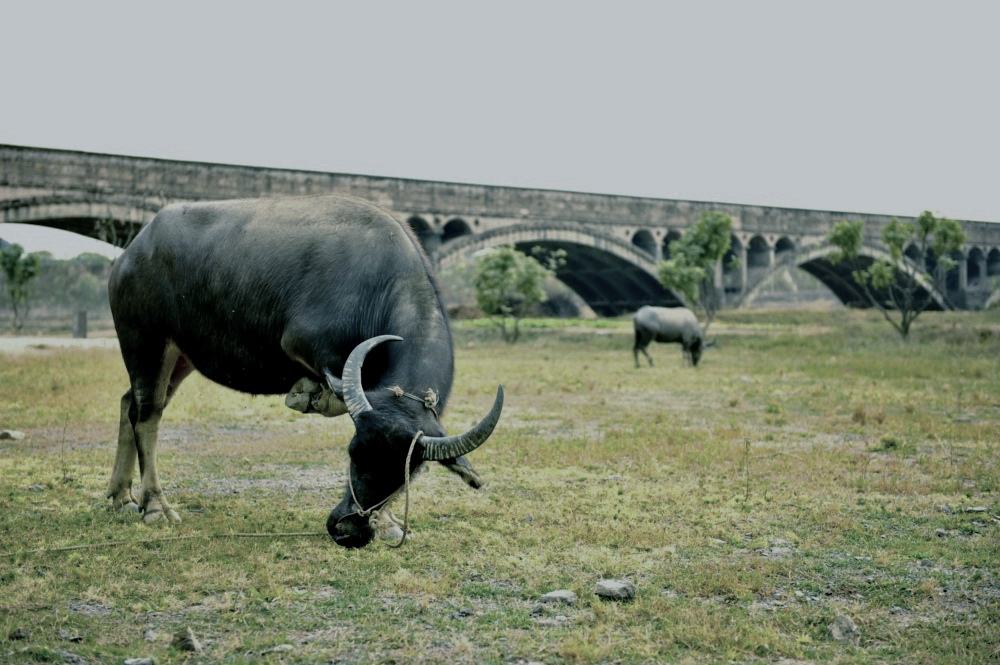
[[813, 466]]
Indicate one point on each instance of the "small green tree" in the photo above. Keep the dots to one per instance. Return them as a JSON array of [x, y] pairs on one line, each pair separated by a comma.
[[690, 270], [509, 283], [892, 285], [19, 269]]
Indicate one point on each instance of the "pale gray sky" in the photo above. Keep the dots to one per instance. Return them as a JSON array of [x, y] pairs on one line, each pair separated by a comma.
[[862, 106]]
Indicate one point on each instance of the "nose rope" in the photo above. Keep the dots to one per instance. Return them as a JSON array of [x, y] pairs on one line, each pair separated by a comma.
[[363, 512]]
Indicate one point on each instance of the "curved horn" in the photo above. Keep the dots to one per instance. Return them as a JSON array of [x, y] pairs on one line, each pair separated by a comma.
[[354, 392], [449, 447], [335, 384]]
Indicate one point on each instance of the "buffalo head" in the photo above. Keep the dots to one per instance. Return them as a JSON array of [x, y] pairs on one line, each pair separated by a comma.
[[385, 427]]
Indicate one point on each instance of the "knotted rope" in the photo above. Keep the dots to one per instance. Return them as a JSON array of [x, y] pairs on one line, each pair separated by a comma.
[[364, 512]]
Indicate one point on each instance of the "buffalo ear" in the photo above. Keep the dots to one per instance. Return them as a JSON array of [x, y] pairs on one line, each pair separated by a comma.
[[463, 469]]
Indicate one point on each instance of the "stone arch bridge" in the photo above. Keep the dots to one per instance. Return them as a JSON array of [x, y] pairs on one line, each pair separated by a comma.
[[613, 243]]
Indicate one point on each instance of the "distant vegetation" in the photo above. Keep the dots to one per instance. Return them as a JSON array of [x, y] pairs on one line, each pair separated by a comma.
[[59, 288], [18, 271], [509, 284], [892, 284], [690, 271]]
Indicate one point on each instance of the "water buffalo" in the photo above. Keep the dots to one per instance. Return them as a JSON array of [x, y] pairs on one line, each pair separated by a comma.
[[260, 294], [667, 324]]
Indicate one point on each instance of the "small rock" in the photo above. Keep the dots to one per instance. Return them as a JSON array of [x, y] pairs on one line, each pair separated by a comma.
[[281, 648], [11, 435], [926, 563], [37, 487], [139, 661], [976, 509], [717, 542], [186, 641], [944, 508], [564, 596], [843, 629], [940, 533], [19, 634], [72, 658], [615, 589], [552, 622], [461, 613], [69, 636], [150, 635]]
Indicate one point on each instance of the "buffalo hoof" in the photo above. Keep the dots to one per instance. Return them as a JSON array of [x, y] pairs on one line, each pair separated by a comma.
[[124, 502], [156, 511]]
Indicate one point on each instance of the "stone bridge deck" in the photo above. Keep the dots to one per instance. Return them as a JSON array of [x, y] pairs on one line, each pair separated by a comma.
[[613, 242]]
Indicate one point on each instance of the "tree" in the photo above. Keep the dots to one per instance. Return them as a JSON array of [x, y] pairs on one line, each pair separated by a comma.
[[893, 285], [690, 270], [509, 283], [19, 269]]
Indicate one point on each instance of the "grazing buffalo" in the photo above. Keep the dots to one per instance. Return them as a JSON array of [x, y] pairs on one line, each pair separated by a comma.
[[667, 324], [259, 295]]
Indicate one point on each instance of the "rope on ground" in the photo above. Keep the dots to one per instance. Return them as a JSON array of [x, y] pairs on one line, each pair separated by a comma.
[[166, 539]]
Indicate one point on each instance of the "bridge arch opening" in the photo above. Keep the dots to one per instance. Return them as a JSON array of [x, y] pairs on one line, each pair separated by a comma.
[[993, 263], [758, 253], [643, 239], [974, 265], [669, 239], [783, 245], [838, 278], [455, 228], [611, 275], [425, 234], [732, 271], [952, 279]]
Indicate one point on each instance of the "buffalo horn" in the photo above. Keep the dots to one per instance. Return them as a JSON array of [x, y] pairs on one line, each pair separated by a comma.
[[450, 447], [354, 392]]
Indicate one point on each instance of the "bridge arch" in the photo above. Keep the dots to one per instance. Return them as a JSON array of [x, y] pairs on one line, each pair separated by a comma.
[[732, 269], [993, 263], [837, 277], [672, 236], [643, 239], [455, 228], [612, 275], [114, 219], [784, 244], [975, 267]]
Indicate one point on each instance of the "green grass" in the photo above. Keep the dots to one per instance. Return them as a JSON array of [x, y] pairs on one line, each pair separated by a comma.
[[803, 471]]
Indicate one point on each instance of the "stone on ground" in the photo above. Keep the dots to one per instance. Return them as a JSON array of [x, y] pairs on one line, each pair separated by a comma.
[[11, 434], [564, 596], [843, 629], [615, 590]]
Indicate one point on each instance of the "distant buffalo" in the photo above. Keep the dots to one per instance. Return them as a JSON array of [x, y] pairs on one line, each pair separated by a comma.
[[667, 325]]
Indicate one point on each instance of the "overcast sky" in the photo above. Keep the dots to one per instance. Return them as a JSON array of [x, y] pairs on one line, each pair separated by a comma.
[[869, 106]]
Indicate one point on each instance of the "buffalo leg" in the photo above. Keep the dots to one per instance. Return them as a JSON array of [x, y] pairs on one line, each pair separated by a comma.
[[120, 486], [642, 340], [155, 371]]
